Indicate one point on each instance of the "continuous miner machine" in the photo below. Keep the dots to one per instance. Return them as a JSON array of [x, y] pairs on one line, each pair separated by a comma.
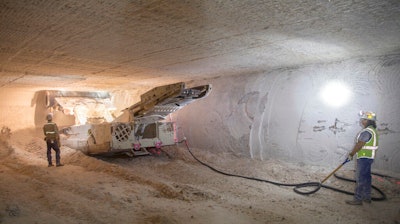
[[139, 129]]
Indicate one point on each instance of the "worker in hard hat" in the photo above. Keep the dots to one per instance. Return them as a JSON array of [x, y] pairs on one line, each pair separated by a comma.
[[365, 150], [52, 139]]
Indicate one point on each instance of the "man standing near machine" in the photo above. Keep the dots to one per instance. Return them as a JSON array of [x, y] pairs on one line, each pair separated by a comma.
[[365, 148], [52, 139]]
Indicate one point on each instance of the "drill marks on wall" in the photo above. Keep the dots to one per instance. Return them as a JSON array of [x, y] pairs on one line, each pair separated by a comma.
[[239, 120], [383, 129], [334, 128], [259, 128], [222, 122], [249, 102], [324, 129], [319, 127], [291, 96], [337, 127], [252, 106], [279, 114]]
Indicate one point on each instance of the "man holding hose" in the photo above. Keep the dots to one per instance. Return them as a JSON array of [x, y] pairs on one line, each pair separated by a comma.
[[365, 149]]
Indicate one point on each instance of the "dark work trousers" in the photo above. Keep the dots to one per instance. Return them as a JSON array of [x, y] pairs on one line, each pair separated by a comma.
[[363, 179], [53, 145]]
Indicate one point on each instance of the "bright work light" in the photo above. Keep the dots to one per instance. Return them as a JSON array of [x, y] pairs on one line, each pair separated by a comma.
[[335, 94]]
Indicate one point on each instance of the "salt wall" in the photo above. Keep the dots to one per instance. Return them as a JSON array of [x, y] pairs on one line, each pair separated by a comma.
[[276, 114], [280, 114]]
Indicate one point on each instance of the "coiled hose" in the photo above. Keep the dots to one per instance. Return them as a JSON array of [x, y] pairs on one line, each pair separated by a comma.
[[315, 185]]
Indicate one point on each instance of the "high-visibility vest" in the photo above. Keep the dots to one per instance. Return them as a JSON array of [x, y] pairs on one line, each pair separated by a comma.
[[51, 131], [370, 147]]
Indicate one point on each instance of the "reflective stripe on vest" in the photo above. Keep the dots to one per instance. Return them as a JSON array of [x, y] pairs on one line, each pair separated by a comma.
[[368, 150], [50, 130]]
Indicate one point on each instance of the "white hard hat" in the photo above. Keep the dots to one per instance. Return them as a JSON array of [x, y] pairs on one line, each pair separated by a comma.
[[49, 117], [368, 115]]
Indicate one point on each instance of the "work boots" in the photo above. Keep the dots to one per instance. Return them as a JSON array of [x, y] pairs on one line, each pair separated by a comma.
[[57, 165], [354, 202]]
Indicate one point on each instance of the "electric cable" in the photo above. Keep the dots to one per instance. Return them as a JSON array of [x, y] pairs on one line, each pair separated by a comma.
[[382, 194], [316, 185]]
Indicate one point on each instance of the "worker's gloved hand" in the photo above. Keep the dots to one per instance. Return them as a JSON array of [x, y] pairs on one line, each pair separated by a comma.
[[349, 157]]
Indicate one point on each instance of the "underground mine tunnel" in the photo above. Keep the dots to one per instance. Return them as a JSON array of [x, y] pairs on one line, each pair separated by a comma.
[[146, 93]]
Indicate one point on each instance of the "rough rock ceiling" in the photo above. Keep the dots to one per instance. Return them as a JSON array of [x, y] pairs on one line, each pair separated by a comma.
[[120, 44]]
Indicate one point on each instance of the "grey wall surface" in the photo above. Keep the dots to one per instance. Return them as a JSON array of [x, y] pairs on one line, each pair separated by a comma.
[[280, 114]]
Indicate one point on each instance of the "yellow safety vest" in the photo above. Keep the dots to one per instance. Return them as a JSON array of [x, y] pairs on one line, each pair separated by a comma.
[[370, 147]]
